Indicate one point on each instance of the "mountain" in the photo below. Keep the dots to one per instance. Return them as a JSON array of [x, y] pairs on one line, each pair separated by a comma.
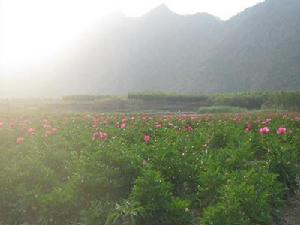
[[154, 52], [258, 49]]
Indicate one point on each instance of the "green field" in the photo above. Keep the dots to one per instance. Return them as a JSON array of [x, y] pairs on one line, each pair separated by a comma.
[[139, 169]]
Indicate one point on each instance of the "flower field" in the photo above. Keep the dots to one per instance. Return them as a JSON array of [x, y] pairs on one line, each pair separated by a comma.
[[231, 169]]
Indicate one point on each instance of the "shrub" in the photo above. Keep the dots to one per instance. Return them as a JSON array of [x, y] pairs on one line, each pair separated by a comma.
[[248, 198], [220, 109], [152, 194]]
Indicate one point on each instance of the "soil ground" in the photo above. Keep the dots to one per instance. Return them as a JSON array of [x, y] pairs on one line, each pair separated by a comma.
[[292, 212]]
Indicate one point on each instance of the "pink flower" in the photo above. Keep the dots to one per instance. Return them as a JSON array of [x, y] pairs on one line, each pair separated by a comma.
[[51, 132], [189, 128], [281, 131], [264, 130], [147, 138], [158, 126], [1, 124], [237, 118], [248, 128], [96, 122], [19, 140], [47, 126], [123, 125], [31, 131], [95, 136], [267, 121], [102, 136]]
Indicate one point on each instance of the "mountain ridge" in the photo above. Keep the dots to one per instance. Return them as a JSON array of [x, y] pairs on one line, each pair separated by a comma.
[[258, 49]]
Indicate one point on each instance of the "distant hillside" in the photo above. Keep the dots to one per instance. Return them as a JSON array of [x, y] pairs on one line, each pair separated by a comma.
[[258, 49]]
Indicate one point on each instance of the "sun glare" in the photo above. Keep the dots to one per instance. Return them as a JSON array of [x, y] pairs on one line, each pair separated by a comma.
[[34, 30]]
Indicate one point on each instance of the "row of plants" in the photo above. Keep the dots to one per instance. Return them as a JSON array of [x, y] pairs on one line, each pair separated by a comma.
[[148, 96], [220, 109], [247, 100], [139, 169], [256, 100], [86, 97], [243, 101]]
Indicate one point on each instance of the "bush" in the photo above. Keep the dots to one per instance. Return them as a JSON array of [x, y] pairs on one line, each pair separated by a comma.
[[152, 194], [168, 97], [248, 198], [220, 109], [243, 100]]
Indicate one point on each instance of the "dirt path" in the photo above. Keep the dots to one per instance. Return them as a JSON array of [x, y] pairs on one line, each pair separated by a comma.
[[292, 213]]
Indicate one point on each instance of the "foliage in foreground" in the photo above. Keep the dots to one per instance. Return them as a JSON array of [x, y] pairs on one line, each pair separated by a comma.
[[138, 169]]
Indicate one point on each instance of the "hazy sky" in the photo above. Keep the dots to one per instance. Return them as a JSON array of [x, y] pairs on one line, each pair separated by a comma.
[[34, 30]]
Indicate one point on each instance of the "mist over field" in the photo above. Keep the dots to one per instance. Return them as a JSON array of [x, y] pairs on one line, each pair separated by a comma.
[[162, 51]]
